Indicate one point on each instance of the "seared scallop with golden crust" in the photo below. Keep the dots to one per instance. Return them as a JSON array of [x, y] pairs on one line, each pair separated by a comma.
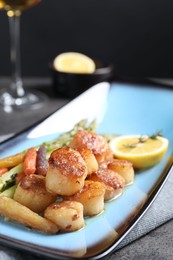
[[67, 171], [67, 215], [96, 143], [32, 193], [91, 196], [124, 168], [112, 181], [90, 160]]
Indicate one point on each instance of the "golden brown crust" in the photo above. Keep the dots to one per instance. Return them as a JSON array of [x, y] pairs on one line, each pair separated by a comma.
[[91, 188], [108, 177], [119, 162], [68, 161], [87, 139], [89, 158], [33, 182], [67, 215], [64, 203], [31, 192], [124, 168], [84, 152]]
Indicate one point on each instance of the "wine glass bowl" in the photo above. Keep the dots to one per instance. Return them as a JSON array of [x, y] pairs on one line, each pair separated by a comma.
[[15, 96], [17, 5]]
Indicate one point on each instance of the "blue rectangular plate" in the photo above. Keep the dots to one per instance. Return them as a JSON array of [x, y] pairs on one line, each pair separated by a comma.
[[119, 109]]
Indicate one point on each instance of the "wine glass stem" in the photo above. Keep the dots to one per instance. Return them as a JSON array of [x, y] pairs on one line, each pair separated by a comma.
[[16, 80]]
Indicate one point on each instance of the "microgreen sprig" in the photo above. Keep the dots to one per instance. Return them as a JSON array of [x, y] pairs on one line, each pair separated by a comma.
[[143, 139], [154, 136]]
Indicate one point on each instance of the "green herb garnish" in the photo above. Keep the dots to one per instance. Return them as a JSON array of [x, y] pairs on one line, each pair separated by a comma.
[[143, 139]]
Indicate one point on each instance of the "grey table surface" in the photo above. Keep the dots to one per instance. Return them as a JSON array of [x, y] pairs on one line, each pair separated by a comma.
[[157, 244]]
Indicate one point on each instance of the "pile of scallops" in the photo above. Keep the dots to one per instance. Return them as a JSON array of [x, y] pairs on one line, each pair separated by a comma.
[[80, 178]]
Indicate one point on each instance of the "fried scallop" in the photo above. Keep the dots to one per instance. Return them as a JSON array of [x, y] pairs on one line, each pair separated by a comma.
[[91, 196], [67, 171], [124, 168], [112, 181], [90, 160], [67, 215], [96, 143], [32, 193]]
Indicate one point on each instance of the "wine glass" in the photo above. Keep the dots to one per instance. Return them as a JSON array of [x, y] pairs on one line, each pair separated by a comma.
[[15, 96]]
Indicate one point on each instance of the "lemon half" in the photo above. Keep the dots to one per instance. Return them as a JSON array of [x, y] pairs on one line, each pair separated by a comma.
[[142, 154], [74, 62]]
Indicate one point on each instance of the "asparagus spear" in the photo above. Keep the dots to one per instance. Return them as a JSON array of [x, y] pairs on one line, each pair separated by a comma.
[[9, 192], [65, 138], [8, 178]]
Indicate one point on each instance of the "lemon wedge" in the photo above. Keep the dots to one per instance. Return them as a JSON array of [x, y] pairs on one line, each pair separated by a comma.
[[143, 153], [74, 62]]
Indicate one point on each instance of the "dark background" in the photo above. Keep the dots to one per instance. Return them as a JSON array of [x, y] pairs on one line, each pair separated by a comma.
[[135, 35]]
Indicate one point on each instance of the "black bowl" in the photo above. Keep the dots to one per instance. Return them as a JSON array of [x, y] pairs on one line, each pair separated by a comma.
[[70, 85]]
